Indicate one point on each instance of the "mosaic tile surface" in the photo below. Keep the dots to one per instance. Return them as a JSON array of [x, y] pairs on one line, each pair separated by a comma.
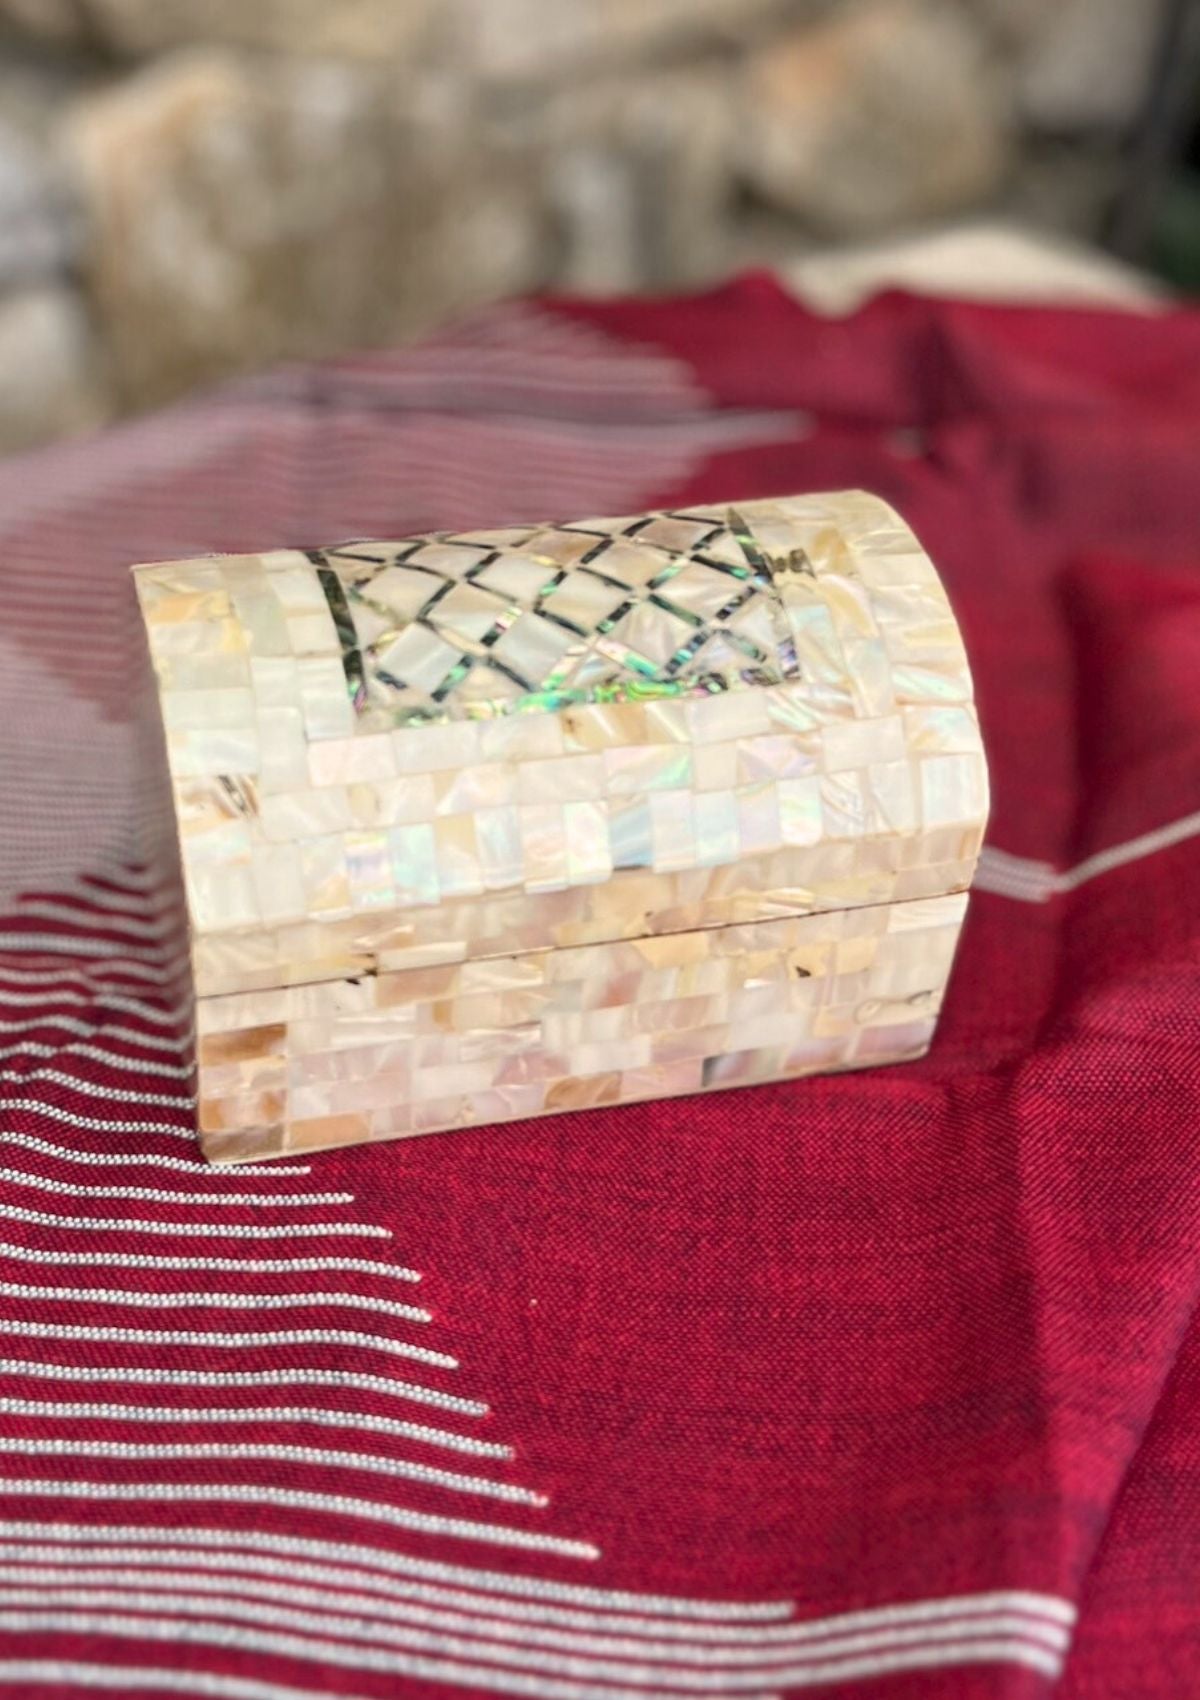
[[450, 753], [339, 1062], [521, 620]]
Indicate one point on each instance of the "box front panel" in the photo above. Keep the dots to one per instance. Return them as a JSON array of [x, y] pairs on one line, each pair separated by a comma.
[[388, 1055]]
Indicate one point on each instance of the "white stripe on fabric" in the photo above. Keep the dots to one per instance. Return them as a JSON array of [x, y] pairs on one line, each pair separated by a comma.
[[85, 973], [76, 944], [288, 1499], [500, 1617], [152, 1160], [112, 897], [93, 918], [128, 883], [212, 1300], [164, 1195], [1051, 1607], [426, 1660], [72, 1024], [119, 892], [33, 1048], [128, 1679], [316, 1416], [1134, 850], [1031, 881], [1012, 876], [147, 939], [316, 1457], [97, 1053], [118, 1094], [561, 1677], [53, 982], [238, 1265], [134, 1589], [197, 1230], [131, 878], [114, 1059], [996, 1650], [134, 879], [99, 1000], [302, 1378], [496, 1616], [342, 1554], [55, 906], [234, 1342], [95, 1124], [101, 1029]]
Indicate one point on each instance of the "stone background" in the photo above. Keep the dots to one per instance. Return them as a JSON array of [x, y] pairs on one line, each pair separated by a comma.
[[194, 188]]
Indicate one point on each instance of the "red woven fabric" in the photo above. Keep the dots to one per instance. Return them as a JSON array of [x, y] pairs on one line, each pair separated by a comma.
[[867, 1384]]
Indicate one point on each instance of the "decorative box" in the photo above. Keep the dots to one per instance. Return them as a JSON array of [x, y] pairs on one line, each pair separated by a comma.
[[492, 825]]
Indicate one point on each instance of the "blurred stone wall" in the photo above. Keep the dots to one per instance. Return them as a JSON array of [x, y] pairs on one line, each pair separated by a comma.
[[193, 188]]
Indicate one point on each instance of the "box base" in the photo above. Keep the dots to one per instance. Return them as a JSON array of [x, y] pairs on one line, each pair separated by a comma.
[[505, 1038]]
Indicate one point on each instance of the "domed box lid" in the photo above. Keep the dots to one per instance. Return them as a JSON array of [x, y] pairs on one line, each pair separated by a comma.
[[390, 755]]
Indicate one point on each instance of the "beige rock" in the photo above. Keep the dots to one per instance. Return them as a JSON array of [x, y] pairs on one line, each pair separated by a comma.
[[37, 229], [239, 215], [1066, 187], [37, 86], [890, 111], [541, 38], [1016, 24], [57, 21], [1089, 65], [367, 28], [50, 373], [492, 39], [639, 178]]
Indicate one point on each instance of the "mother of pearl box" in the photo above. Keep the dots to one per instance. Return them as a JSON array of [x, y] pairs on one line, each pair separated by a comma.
[[492, 825]]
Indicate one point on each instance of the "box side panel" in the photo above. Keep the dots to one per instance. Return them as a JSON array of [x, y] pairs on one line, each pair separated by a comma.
[[156, 841], [390, 1055]]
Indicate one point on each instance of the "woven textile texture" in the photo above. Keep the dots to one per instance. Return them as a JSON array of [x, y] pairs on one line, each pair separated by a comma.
[[882, 1384]]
